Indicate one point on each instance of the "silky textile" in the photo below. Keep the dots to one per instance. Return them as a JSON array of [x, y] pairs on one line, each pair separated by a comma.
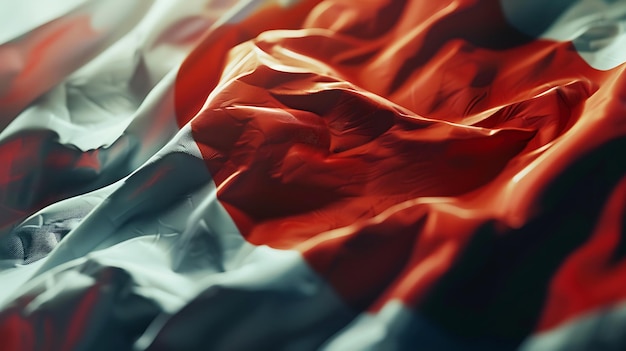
[[312, 174]]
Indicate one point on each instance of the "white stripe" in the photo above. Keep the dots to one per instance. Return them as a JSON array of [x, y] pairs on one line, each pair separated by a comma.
[[597, 27], [18, 17], [598, 330], [188, 263]]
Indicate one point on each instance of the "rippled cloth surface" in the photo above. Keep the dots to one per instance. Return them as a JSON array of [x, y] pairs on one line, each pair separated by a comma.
[[313, 174]]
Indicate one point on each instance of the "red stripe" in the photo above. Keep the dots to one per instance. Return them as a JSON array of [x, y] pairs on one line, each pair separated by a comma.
[[588, 279], [35, 75], [16, 334]]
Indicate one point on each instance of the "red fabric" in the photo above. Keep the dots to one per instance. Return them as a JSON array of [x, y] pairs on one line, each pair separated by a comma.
[[30, 76], [378, 139]]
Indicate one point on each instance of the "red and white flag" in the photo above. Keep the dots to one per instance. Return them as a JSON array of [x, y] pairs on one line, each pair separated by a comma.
[[313, 174]]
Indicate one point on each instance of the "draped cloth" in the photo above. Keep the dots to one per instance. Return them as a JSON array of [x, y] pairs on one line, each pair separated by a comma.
[[312, 174]]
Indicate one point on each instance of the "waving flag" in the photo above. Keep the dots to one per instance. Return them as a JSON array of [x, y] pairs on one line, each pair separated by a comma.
[[313, 174]]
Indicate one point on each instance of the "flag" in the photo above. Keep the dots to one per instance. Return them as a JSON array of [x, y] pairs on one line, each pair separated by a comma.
[[312, 174]]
